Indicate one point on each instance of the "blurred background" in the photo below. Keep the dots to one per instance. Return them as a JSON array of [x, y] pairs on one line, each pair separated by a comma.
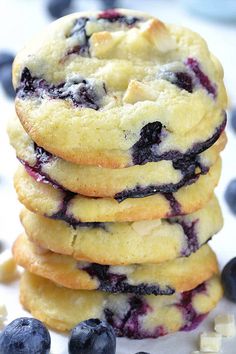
[[21, 19], [215, 20]]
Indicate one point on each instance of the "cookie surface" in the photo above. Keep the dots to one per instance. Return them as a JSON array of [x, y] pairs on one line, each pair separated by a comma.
[[151, 178], [131, 316], [106, 81], [166, 278], [110, 243], [73, 208]]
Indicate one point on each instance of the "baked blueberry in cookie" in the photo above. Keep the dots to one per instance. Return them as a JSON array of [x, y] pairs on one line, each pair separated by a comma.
[[133, 89]]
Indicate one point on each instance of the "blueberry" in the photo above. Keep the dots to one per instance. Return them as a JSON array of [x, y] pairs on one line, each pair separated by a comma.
[[228, 277], [230, 195], [25, 336], [58, 8], [92, 336], [109, 4], [6, 80], [142, 353], [233, 119], [6, 58], [184, 81]]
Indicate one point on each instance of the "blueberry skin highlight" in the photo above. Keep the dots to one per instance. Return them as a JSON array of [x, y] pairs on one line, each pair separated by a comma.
[[92, 336], [228, 278], [230, 196], [25, 336]]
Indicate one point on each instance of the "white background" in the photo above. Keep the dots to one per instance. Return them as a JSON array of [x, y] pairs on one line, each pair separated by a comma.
[[19, 20]]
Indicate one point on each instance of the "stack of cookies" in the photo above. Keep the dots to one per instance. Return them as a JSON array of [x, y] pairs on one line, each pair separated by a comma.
[[119, 130]]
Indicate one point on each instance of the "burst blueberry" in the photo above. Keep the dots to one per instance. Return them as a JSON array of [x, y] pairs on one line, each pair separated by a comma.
[[229, 279], [230, 196], [25, 336], [92, 336]]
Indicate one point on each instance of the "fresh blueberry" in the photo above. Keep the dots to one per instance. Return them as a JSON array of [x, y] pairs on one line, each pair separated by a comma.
[[92, 336], [233, 119], [6, 80], [228, 277], [109, 4], [142, 353], [25, 336], [230, 195], [58, 8], [6, 58]]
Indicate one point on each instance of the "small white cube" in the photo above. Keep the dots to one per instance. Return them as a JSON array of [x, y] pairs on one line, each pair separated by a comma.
[[225, 325], [210, 342]]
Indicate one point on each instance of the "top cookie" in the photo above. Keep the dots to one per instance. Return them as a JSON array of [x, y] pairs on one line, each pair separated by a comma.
[[119, 88]]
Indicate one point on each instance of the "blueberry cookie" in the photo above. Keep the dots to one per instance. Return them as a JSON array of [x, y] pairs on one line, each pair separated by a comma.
[[131, 315], [166, 278], [152, 241], [61, 205], [119, 88], [164, 176]]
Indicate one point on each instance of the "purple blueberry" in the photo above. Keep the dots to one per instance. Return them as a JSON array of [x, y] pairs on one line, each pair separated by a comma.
[[142, 353], [230, 196], [184, 81], [6, 80], [58, 8], [92, 336], [233, 119], [6, 58], [25, 336], [228, 278]]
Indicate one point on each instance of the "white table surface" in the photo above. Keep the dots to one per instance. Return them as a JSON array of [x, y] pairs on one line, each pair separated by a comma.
[[19, 20]]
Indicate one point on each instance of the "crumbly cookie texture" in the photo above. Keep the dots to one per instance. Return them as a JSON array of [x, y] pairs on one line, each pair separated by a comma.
[[151, 178], [166, 278], [131, 316], [55, 203], [152, 241], [8, 268], [112, 75]]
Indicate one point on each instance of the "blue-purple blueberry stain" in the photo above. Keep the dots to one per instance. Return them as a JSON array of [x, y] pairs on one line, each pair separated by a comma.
[[77, 90], [79, 29], [190, 232], [146, 148], [130, 324], [118, 283], [203, 79]]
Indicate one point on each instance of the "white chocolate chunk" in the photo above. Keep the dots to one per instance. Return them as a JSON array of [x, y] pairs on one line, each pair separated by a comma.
[[102, 43], [144, 227], [210, 342], [8, 268], [157, 33], [137, 91], [225, 325]]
